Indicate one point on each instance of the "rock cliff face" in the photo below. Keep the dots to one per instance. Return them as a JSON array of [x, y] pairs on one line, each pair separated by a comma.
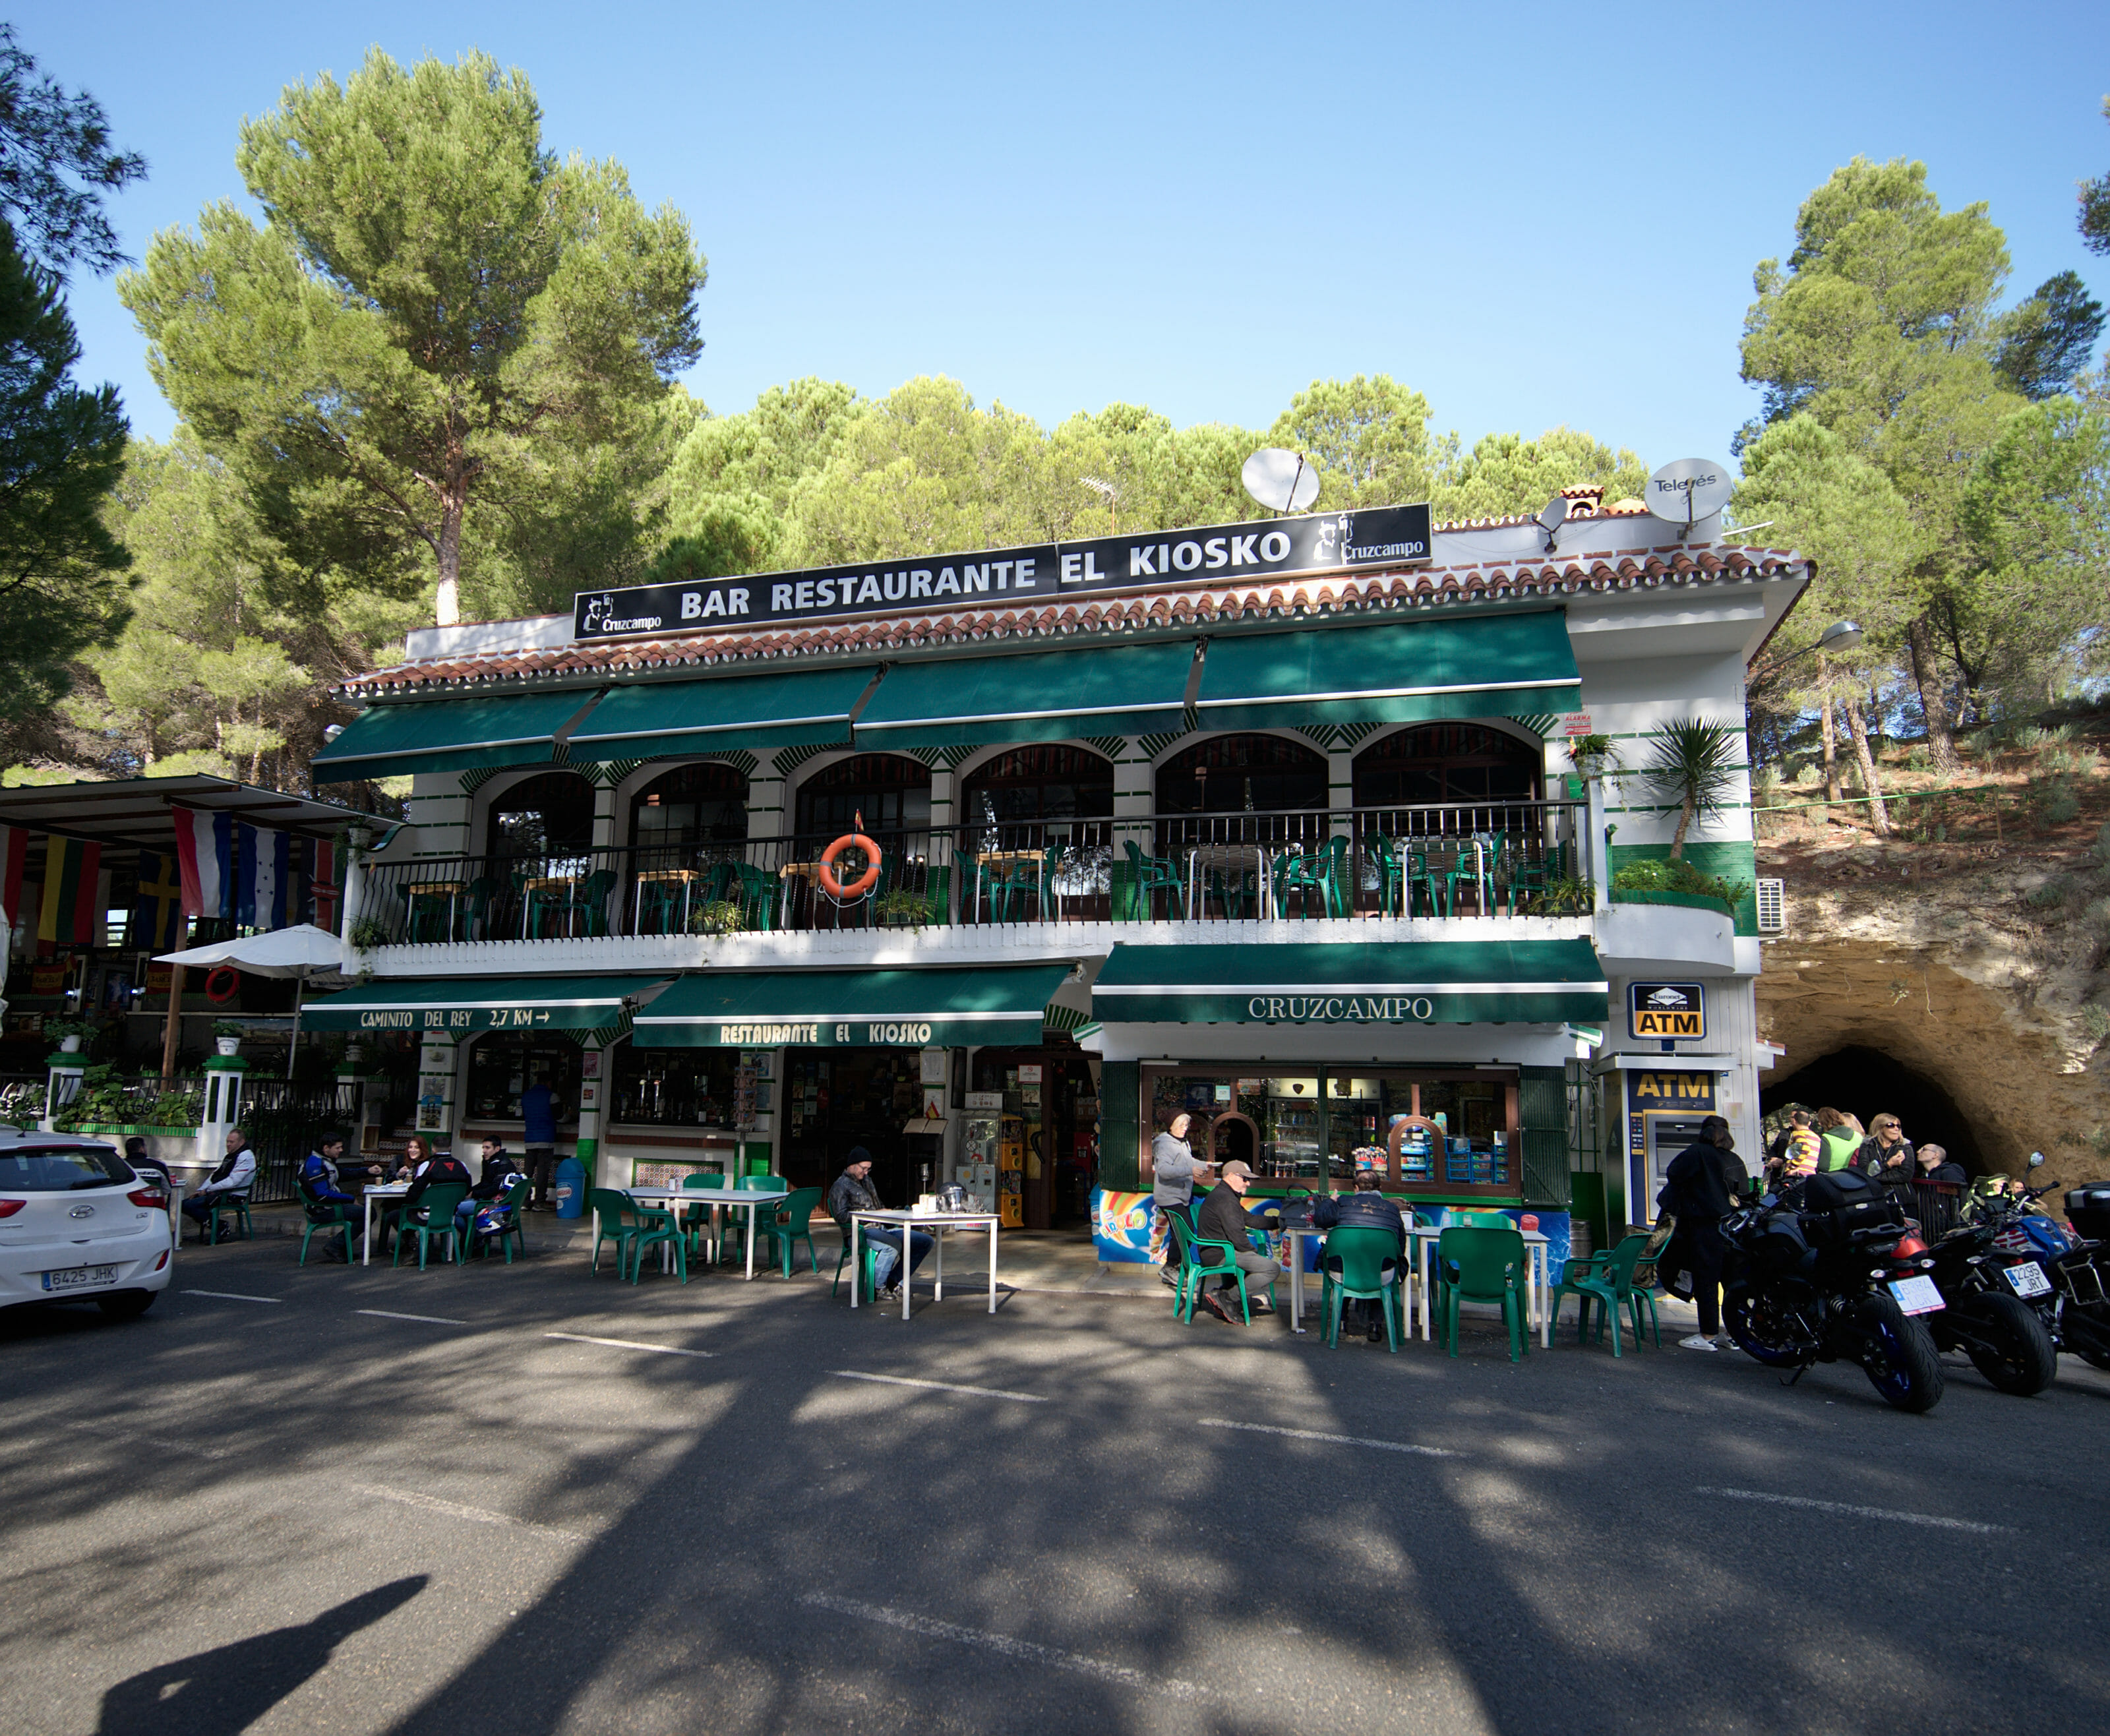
[[1959, 981]]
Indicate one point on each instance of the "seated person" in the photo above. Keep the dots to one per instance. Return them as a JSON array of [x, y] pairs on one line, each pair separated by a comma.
[[1223, 1219], [496, 1174], [1364, 1208], [236, 1170], [425, 1170], [323, 1190], [144, 1164], [853, 1192], [1934, 1166]]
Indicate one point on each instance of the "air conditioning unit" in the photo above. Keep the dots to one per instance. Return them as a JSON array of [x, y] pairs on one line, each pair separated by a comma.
[[1772, 906]]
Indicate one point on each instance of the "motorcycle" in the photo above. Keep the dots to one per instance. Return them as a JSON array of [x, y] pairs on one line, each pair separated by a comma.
[[1817, 1275], [2060, 1271], [1995, 1290]]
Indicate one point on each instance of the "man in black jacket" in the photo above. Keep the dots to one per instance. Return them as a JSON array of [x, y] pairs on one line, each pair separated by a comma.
[[1699, 1190], [1366, 1209], [1223, 1219]]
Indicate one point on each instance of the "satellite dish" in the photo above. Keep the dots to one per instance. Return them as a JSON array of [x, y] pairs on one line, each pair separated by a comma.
[[1282, 481], [1688, 489]]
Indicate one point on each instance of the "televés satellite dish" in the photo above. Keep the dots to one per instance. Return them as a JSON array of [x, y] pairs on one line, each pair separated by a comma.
[[1281, 481], [1688, 489]]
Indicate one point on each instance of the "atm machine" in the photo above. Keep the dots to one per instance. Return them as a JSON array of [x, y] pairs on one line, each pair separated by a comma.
[[1666, 1136]]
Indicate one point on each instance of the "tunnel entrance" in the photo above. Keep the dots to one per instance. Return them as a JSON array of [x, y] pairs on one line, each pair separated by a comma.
[[1865, 1083]]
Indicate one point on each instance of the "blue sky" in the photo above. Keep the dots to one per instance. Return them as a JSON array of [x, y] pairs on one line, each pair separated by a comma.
[[1535, 215]]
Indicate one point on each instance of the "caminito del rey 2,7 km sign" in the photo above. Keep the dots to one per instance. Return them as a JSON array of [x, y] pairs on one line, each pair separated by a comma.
[[1322, 542]]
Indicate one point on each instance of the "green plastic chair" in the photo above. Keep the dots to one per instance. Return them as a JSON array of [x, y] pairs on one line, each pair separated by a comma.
[[696, 1219], [617, 1220], [1488, 1220], [1323, 872], [438, 1204], [1363, 1264], [868, 1273], [1222, 1263], [732, 1228], [1154, 873], [659, 1227], [516, 1198], [784, 1225], [327, 1218], [1615, 1284], [232, 1205], [1480, 1265]]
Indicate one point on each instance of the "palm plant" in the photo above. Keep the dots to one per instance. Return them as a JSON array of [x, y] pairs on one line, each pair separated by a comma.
[[1696, 763]]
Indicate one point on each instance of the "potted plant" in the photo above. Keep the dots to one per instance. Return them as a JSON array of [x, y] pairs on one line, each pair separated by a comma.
[[227, 1036], [71, 1033], [1593, 755], [902, 909], [367, 933], [719, 917]]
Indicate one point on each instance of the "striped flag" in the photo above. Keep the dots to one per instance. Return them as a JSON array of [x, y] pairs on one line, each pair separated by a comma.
[[72, 914], [264, 878], [325, 887], [14, 851], [204, 853]]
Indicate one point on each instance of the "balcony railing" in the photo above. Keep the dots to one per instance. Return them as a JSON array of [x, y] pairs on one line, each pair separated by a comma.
[[1446, 860]]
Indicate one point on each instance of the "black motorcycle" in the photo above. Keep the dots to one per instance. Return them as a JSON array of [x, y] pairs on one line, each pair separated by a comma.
[[2060, 1274], [1816, 1276], [1990, 1316]]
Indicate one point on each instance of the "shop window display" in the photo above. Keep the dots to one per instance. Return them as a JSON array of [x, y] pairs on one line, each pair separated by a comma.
[[673, 1088], [501, 1066]]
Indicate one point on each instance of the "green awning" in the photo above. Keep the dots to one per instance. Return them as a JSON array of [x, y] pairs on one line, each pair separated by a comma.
[[768, 1009], [1465, 981], [392, 740], [1035, 696], [465, 1006], [1408, 671], [789, 708]]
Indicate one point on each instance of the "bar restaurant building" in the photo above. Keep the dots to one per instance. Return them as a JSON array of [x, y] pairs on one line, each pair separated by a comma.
[[992, 863]]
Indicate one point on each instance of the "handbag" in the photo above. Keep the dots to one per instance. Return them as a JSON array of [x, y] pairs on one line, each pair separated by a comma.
[[1660, 1237]]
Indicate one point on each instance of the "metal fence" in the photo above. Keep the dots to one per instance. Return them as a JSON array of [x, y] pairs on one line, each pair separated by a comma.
[[284, 1119], [1440, 859]]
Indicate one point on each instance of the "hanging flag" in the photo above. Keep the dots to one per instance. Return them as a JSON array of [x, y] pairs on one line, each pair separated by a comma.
[[72, 916], [263, 877], [157, 907], [325, 887], [14, 850], [205, 851]]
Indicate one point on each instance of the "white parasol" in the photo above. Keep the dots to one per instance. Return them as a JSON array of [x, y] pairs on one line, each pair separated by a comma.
[[297, 953]]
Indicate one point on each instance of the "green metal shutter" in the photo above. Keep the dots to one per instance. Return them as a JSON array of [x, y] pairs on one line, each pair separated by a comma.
[[1542, 1111], [1120, 1167]]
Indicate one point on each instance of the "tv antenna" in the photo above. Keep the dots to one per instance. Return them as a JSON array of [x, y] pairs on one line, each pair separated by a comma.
[[1282, 480], [1688, 489]]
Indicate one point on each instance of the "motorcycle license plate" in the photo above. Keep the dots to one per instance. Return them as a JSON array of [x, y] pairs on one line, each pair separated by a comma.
[[1917, 1295], [2027, 1279]]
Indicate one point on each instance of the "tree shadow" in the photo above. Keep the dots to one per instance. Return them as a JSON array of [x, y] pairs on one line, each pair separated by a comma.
[[227, 1689]]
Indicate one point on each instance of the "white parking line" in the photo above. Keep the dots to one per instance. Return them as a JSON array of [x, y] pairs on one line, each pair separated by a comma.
[[455, 1510], [1025, 1651], [902, 1379], [1337, 1441], [1935, 1521], [383, 1313], [229, 1295], [628, 1344]]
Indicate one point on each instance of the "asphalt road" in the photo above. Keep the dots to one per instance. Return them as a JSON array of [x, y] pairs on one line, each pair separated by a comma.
[[291, 1515]]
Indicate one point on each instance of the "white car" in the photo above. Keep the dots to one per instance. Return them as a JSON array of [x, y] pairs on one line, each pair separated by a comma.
[[77, 1223]]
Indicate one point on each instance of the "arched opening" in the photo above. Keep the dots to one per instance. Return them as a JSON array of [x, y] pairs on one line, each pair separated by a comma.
[[891, 791], [1865, 1083], [550, 815], [1446, 763], [1266, 782], [1041, 816], [704, 802]]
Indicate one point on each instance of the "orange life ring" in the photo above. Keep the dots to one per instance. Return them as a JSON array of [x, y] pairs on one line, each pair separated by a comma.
[[222, 983], [865, 882]]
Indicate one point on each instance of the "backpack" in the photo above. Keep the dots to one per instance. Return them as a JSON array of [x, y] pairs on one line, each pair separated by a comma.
[[1837, 1202]]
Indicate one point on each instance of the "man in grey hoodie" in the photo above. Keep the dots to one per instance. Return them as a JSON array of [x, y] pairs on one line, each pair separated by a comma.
[[1175, 1169]]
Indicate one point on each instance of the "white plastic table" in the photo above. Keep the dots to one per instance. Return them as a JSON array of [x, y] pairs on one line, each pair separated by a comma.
[[1538, 1287], [750, 1197], [1237, 858], [384, 1191], [937, 1223]]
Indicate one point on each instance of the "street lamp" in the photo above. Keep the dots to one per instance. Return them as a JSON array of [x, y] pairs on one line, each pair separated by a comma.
[[1841, 635]]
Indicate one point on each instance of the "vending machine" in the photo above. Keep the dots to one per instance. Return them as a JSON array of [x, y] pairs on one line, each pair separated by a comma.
[[982, 1135]]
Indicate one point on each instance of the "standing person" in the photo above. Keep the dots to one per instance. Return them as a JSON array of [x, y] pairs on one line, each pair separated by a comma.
[[236, 1170], [1699, 1190], [1842, 1137], [1174, 1166], [538, 1116], [854, 1192], [1934, 1166], [1886, 1155], [1223, 1219]]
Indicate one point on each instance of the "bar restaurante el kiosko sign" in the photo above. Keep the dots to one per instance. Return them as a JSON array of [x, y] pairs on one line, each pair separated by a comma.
[[1323, 542]]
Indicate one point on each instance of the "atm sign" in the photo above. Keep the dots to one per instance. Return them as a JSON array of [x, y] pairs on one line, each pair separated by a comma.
[[1671, 1012]]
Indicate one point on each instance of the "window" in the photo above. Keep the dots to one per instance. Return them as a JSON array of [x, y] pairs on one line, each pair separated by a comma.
[[550, 815], [674, 1087], [502, 1065], [892, 792], [691, 805], [1446, 763], [1028, 795], [1238, 775]]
